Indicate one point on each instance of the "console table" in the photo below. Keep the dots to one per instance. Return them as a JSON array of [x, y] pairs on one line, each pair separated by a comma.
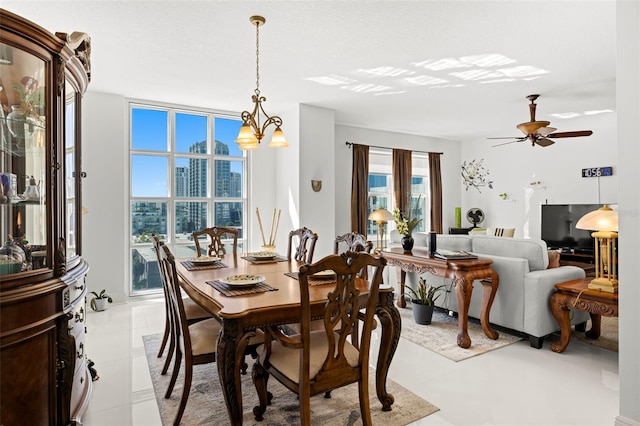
[[575, 294], [463, 272]]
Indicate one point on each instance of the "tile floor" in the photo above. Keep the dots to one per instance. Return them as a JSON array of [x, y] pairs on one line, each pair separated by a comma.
[[515, 385]]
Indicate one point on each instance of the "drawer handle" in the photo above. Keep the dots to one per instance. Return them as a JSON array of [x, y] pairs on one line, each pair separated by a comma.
[[81, 352], [80, 315], [80, 287]]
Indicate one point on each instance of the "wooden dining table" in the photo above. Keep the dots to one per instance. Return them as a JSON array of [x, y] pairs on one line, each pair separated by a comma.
[[242, 315]]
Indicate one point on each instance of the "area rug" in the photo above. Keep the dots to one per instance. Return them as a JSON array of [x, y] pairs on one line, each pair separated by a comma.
[[441, 336], [608, 334], [206, 403]]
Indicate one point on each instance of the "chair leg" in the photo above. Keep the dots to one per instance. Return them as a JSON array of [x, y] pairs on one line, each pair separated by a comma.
[[165, 337], [260, 378], [167, 362], [174, 375], [188, 374], [365, 409]]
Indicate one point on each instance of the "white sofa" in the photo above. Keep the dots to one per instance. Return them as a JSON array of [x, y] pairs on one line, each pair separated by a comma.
[[526, 283]]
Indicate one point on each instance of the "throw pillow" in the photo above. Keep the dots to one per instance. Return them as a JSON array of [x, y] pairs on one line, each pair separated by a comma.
[[554, 259]]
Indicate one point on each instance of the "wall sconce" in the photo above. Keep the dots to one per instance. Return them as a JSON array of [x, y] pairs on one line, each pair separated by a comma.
[[316, 185], [605, 222], [380, 217]]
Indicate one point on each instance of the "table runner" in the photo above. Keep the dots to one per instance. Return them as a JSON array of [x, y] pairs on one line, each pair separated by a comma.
[[312, 280], [224, 289], [259, 261], [190, 266]]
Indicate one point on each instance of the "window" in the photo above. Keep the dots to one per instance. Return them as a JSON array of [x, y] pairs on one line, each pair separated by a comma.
[[381, 189], [187, 173]]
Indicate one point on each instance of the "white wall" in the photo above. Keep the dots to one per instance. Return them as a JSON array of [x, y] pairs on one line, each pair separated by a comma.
[[628, 106], [558, 167], [450, 165]]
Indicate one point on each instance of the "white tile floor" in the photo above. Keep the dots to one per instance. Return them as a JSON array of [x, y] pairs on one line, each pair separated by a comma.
[[515, 385]]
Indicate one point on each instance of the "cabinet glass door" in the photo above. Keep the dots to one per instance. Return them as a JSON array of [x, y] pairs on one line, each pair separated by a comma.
[[70, 170], [23, 221]]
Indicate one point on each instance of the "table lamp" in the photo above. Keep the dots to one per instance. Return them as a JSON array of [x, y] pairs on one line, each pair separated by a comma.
[[605, 222], [380, 217]]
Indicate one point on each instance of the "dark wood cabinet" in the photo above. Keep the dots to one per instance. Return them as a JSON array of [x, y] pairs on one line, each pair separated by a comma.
[[44, 378]]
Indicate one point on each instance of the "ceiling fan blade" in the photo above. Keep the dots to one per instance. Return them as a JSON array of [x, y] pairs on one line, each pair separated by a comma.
[[545, 131], [506, 143], [570, 134], [545, 142], [512, 137]]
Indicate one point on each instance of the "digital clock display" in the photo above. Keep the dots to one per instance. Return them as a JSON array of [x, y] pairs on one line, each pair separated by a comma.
[[597, 171]]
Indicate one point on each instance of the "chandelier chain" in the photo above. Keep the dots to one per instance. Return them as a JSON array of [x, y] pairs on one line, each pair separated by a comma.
[[257, 59]]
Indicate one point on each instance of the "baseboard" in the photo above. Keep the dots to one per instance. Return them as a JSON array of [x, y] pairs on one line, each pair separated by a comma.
[[623, 421]]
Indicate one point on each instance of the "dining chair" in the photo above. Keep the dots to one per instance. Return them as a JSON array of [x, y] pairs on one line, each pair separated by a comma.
[[317, 361], [216, 235], [196, 342], [302, 252], [354, 241], [193, 311]]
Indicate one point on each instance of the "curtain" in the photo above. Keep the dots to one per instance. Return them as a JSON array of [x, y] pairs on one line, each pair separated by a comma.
[[401, 171], [359, 188], [435, 185]]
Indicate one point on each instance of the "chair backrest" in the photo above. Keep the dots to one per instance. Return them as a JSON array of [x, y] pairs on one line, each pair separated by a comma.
[[302, 252], [216, 235], [176, 304], [158, 248], [341, 314], [354, 242]]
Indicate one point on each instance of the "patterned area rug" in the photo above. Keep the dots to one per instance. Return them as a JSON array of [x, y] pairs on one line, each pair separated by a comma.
[[206, 404], [608, 334], [441, 335]]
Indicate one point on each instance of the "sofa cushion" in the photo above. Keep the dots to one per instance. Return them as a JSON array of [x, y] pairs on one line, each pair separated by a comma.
[[535, 251], [453, 242], [554, 259]]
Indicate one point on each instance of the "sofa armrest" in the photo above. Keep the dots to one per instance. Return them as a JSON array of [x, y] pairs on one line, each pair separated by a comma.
[[539, 286]]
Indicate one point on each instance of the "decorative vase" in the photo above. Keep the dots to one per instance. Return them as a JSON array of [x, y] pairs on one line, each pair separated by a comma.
[[101, 304], [458, 217], [407, 243], [422, 314]]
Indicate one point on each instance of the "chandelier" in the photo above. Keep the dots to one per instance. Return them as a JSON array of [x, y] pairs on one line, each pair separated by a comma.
[[251, 131]]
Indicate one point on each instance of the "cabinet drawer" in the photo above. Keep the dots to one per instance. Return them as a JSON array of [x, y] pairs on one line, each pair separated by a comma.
[[81, 391], [77, 320], [76, 289], [80, 352]]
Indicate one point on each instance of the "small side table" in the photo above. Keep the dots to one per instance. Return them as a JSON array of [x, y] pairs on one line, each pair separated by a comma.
[[575, 294]]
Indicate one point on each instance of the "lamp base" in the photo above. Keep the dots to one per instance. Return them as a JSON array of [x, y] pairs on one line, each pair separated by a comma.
[[604, 284]]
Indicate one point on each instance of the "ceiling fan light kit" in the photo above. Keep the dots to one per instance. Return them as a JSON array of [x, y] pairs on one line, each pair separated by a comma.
[[539, 132]]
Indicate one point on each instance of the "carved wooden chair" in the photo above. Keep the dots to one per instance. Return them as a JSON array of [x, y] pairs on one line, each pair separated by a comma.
[[196, 342], [317, 361], [215, 237], [354, 242], [302, 252], [193, 311]]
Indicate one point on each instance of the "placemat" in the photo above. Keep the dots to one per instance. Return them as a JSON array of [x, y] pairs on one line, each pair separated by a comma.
[[312, 280], [258, 261], [190, 266], [224, 289]]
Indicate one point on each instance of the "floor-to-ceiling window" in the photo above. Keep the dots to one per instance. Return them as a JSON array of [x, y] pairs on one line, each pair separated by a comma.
[[187, 173], [381, 189]]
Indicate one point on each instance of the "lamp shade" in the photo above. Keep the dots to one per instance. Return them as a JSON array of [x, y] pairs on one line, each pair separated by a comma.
[[603, 219], [246, 136], [380, 215], [278, 140]]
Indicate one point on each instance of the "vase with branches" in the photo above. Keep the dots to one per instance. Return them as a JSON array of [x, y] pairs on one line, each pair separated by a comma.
[[407, 222]]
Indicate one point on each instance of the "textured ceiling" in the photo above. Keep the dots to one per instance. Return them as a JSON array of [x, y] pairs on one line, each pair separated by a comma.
[[416, 67]]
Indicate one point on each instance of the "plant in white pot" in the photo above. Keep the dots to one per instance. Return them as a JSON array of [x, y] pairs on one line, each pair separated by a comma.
[[99, 301], [422, 301]]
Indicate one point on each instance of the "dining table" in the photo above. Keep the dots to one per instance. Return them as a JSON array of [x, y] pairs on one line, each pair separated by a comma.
[[242, 315]]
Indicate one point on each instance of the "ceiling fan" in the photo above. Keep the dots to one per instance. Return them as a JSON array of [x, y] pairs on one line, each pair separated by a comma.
[[538, 132]]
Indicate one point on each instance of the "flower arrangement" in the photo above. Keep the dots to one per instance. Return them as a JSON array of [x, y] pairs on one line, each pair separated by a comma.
[[407, 222], [475, 175]]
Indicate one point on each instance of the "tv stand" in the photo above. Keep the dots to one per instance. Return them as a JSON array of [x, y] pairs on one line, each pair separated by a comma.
[[581, 260]]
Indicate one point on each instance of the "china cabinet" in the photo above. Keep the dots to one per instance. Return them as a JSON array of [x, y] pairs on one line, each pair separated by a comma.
[[44, 375]]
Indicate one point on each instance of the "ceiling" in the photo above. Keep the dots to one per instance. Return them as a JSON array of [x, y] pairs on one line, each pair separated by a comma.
[[448, 69]]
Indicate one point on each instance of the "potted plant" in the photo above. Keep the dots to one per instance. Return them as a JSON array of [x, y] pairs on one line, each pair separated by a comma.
[[99, 301], [422, 301], [406, 223]]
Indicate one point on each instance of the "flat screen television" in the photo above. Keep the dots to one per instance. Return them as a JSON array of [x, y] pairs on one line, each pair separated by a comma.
[[558, 227]]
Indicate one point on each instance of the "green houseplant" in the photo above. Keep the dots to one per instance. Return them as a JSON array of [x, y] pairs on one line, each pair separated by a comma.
[[99, 301], [422, 301]]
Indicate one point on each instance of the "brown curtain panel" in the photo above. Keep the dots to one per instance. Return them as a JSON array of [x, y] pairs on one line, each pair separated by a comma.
[[435, 185], [359, 188], [401, 170]]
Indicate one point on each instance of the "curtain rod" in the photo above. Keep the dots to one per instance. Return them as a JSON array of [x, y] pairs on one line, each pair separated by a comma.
[[385, 147]]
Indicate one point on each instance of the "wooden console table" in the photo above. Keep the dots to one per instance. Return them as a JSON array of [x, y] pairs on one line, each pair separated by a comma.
[[575, 294], [463, 273]]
